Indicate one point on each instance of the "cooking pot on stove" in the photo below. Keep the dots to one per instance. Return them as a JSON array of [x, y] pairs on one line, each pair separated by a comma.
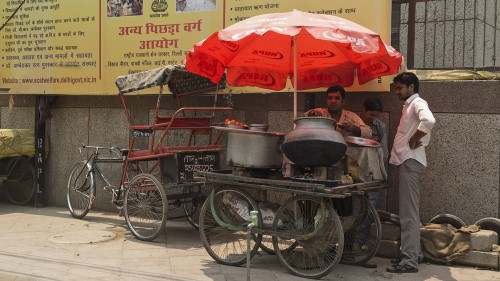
[[253, 149], [314, 142]]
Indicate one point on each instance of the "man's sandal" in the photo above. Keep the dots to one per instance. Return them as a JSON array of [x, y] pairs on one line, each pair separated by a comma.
[[402, 268]]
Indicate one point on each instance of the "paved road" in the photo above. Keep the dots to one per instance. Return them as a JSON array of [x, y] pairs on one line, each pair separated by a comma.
[[31, 248]]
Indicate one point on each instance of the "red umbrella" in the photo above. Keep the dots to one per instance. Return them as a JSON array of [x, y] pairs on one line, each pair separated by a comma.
[[266, 50]]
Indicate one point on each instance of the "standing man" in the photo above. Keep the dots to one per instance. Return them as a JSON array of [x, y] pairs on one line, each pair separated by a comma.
[[408, 154], [348, 123]]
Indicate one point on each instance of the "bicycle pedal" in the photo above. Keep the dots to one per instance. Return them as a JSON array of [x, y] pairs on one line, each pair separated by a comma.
[[108, 187]]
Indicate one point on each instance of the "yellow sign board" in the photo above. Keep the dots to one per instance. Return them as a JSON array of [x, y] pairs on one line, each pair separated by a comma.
[[67, 47]]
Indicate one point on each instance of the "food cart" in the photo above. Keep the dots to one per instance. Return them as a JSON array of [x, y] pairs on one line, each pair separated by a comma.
[[308, 218]]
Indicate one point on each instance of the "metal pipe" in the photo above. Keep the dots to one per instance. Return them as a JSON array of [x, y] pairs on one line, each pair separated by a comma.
[[474, 34], [294, 78], [411, 34], [253, 217], [454, 27], [444, 34], [463, 38], [434, 49], [425, 34], [484, 34], [495, 39]]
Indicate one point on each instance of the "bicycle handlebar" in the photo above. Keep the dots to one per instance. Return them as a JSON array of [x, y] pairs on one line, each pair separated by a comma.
[[111, 149]]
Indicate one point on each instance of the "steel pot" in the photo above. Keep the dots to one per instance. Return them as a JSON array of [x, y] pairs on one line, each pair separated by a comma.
[[314, 142], [253, 149]]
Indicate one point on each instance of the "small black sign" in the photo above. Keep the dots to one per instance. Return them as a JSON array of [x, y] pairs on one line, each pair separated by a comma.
[[182, 166]]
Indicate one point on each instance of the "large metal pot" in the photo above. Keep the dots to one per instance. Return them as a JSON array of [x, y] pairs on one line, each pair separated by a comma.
[[314, 142], [253, 149]]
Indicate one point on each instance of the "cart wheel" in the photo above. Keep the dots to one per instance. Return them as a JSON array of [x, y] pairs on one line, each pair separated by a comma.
[[267, 244], [362, 242], [20, 185], [80, 192], [192, 206], [145, 207], [320, 248], [226, 239]]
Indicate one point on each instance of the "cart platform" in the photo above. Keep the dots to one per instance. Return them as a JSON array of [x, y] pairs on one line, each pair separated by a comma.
[[290, 185]]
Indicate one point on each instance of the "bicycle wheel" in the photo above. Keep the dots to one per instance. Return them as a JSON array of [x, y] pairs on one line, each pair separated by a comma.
[[362, 242], [80, 192], [145, 207], [20, 185], [227, 243], [321, 238], [192, 206]]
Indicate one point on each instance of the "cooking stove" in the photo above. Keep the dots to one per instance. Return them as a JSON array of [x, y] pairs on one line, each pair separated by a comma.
[[275, 174], [318, 174]]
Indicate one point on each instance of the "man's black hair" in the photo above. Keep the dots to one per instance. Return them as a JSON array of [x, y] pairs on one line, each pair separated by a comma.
[[336, 88], [373, 104], [408, 78]]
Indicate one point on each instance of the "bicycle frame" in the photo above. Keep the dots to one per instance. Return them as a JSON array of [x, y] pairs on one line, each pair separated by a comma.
[[94, 159]]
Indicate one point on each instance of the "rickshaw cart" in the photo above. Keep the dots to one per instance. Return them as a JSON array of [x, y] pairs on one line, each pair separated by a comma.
[[310, 227], [17, 172], [169, 164]]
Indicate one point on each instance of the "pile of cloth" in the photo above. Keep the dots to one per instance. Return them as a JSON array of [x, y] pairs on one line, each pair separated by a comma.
[[17, 142], [443, 243]]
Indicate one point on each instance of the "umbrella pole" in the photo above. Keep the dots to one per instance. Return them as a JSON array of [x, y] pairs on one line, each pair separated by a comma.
[[294, 78]]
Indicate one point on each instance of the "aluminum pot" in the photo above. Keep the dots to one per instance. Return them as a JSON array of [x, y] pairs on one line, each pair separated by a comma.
[[314, 142], [254, 149]]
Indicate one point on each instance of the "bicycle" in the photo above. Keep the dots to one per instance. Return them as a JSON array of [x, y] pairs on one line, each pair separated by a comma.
[[18, 179], [81, 188], [140, 195]]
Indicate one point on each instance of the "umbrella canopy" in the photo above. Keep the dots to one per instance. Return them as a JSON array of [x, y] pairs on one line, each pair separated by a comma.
[[315, 50]]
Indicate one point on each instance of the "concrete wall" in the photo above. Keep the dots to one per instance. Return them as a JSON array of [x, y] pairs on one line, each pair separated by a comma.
[[463, 176]]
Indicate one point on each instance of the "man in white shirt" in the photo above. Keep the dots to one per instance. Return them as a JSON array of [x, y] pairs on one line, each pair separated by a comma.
[[408, 154]]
